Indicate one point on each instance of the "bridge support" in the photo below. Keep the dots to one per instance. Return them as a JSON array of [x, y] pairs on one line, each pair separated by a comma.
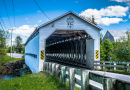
[[90, 53]]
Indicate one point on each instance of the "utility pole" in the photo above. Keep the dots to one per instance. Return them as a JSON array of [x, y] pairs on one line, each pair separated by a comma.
[[11, 44]]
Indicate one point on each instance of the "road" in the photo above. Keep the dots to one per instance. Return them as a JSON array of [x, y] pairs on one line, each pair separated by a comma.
[[16, 55]]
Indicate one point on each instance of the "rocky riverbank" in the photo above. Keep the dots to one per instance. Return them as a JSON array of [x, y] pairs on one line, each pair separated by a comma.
[[12, 68]]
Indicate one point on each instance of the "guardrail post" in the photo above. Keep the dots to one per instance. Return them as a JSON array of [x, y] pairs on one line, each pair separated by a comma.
[[58, 71], [126, 67], [50, 68], [71, 79], [47, 70], [109, 83], [63, 73], [103, 66], [44, 66], [85, 80], [53, 68], [114, 68]]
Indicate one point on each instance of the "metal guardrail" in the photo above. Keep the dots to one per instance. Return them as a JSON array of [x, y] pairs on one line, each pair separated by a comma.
[[65, 72], [112, 64]]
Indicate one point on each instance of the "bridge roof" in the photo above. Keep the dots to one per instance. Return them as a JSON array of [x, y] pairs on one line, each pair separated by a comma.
[[70, 12]]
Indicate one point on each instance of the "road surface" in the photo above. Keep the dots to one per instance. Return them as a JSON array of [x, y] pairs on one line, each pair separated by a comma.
[[16, 55]]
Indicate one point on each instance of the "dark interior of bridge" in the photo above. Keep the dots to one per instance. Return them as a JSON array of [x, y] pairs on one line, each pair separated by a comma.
[[67, 46]]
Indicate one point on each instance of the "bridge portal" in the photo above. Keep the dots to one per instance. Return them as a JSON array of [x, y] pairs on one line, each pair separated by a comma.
[[67, 39]]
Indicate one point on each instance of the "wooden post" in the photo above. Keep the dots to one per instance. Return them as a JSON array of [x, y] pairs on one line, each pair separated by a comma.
[[50, 68], [53, 68], [44, 66], [114, 68], [47, 70], [103, 66], [109, 83], [63, 73], [85, 80], [71, 79], [58, 71]]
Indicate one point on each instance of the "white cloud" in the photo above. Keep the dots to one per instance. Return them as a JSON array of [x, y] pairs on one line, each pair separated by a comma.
[[107, 16], [107, 21], [26, 18], [129, 15], [40, 21], [25, 30], [126, 1], [38, 11]]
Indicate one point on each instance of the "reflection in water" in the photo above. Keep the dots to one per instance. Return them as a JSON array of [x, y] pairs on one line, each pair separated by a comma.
[[7, 77]]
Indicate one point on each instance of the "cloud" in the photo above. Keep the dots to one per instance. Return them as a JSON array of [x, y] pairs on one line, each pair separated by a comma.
[[38, 11], [26, 18], [129, 15], [25, 30], [106, 16], [40, 21], [126, 1]]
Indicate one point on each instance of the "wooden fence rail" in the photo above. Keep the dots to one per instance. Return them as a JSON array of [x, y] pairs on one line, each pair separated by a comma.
[[65, 72], [112, 64]]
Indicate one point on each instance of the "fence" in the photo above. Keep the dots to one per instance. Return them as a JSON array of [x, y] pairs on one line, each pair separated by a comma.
[[65, 72], [112, 64]]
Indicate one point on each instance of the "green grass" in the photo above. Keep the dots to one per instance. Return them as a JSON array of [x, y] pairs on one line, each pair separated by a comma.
[[7, 59], [38, 81]]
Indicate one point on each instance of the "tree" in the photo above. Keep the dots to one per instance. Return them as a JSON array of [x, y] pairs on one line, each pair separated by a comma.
[[90, 19], [3, 39], [108, 48], [101, 38], [102, 55], [122, 48], [18, 41]]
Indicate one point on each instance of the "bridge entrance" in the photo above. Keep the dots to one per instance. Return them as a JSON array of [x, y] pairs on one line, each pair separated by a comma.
[[70, 47]]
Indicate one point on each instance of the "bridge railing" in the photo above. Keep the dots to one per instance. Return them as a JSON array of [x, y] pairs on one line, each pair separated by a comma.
[[112, 64], [84, 78]]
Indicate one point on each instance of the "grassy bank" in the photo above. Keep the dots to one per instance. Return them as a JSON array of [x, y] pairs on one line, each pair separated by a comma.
[[38, 81], [7, 59]]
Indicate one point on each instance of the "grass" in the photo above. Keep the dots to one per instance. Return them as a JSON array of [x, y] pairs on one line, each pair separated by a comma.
[[7, 59], [38, 81]]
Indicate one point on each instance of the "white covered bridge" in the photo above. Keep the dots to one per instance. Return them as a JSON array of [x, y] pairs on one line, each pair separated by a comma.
[[67, 39]]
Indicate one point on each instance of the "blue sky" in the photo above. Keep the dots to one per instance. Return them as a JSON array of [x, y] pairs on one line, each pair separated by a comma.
[[109, 14]]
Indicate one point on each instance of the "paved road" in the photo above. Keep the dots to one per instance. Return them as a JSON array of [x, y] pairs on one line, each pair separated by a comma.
[[16, 55]]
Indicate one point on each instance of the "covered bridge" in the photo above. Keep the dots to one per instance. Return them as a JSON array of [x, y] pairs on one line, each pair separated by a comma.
[[67, 39]]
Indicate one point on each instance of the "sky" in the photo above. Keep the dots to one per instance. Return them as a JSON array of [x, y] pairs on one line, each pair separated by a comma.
[[109, 14]]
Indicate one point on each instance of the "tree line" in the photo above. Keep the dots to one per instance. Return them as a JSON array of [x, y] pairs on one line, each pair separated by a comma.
[[119, 50]]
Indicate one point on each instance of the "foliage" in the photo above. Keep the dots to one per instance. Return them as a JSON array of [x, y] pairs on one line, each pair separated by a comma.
[[108, 48], [102, 55], [18, 41], [122, 48], [101, 38], [119, 50], [90, 19], [38, 81], [3, 39]]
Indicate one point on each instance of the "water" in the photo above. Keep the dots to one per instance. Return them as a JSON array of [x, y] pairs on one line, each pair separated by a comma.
[[7, 77]]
